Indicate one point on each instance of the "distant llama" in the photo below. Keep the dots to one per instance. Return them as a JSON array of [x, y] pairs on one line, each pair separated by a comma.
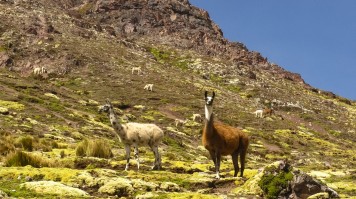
[[136, 69], [197, 118], [135, 134], [221, 140], [39, 70], [268, 111], [179, 122], [258, 113], [148, 87]]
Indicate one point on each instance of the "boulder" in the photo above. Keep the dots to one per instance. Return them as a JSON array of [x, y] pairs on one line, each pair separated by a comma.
[[280, 180], [304, 186]]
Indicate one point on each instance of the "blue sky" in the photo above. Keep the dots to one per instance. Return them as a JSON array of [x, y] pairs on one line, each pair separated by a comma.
[[315, 38]]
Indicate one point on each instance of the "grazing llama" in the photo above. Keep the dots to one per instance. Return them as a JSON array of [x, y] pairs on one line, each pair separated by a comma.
[[137, 69], [258, 113], [135, 134], [179, 122], [221, 140], [148, 87]]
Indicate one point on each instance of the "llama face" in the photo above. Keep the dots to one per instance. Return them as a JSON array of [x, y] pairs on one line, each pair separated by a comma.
[[209, 100]]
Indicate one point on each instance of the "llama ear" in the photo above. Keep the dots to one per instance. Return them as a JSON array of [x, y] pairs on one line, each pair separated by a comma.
[[213, 94], [206, 94]]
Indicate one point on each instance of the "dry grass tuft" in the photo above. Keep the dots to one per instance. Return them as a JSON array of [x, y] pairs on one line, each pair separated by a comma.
[[94, 148]]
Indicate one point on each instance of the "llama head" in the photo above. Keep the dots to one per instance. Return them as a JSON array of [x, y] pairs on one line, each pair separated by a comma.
[[106, 107], [208, 105], [209, 100]]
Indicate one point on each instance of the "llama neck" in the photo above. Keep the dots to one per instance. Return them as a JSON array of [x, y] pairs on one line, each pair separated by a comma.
[[116, 124], [208, 112], [209, 120]]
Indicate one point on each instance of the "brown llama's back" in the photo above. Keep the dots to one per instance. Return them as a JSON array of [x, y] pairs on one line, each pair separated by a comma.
[[225, 138]]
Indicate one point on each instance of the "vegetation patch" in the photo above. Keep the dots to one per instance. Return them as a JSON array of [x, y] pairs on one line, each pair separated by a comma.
[[160, 56], [273, 182], [53, 188], [20, 158], [94, 148], [6, 145], [26, 143], [12, 105]]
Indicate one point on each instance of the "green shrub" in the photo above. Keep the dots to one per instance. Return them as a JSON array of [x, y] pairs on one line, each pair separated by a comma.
[[62, 154], [272, 184], [6, 145], [26, 143], [100, 149], [81, 148], [20, 158], [94, 148]]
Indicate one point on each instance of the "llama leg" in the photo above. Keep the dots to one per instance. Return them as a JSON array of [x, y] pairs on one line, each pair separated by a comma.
[[243, 157], [137, 159], [235, 157], [213, 157], [128, 150], [157, 163], [217, 168]]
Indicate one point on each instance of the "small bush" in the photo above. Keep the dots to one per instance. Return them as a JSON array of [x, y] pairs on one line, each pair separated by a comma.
[[62, 154], [81, 148], [26, 143], [273, 183], [100, 149], [20, 158], [6, 145], [94, 148]]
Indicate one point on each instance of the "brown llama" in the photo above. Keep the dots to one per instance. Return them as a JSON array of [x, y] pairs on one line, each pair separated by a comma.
[[268, 111], [221, 140]]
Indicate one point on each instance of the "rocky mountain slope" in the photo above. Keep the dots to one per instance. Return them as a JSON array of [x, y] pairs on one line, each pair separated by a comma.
[[60, 60]]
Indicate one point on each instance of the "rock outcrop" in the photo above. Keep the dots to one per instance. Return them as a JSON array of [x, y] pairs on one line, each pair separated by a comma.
[[149, 20]]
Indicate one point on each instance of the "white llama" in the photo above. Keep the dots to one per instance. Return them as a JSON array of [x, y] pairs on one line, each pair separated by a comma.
[[197, 118], [179, 122], [148, 87], [135, 134], [258, 113], [39, 70], [137, 69]]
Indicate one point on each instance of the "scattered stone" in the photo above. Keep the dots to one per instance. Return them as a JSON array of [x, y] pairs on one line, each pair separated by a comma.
[[92, 102], [52, 95], [146, 196], [28, 178], [292, 183], [4, 111]]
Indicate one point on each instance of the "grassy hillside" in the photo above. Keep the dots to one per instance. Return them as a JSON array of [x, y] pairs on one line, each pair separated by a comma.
[[44, 118]]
